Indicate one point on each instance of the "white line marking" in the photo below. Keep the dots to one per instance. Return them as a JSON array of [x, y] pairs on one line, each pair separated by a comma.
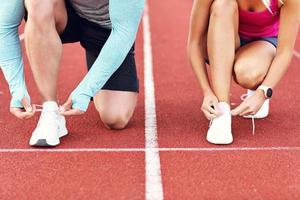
[[154, 188], [21, 37], [119, 150], [296, 53]]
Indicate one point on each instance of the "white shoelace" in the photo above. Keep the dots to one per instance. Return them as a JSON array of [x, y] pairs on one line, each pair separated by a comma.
[[39, 108], [210, 122], [243, 98]]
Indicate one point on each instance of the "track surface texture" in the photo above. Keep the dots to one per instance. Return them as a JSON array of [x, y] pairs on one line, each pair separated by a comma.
[[95, 163]]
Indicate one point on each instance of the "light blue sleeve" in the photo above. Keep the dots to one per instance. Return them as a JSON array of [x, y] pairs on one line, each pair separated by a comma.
[[125, 18], [11, 62]]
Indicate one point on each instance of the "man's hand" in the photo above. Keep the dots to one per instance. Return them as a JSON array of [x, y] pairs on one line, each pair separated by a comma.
[[67, 110], [24, 113], [251, 105], [210, 107]]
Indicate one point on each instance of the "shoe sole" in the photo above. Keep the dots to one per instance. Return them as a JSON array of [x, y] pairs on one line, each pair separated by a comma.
[[45, 143], [220, 142], [256, 117]]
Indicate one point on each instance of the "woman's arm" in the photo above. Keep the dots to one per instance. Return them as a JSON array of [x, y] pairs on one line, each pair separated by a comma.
[[196, 50], [11, 14], [289, 24], [125, 17], [197, 41]]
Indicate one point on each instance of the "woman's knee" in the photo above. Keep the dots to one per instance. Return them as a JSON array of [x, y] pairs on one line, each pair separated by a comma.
[[224, 8], [246, 77]]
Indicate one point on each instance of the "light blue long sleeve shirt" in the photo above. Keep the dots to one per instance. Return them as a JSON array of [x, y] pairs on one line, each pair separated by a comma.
[[11, 62], [125, 17]]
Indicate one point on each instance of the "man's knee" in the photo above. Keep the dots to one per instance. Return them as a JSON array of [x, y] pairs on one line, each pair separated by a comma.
[[115, 120], [40, 12], [43, 14]]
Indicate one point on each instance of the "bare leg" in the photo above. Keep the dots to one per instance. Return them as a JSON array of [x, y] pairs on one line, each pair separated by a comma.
[[115, 107], [222, 40], [44, 48]]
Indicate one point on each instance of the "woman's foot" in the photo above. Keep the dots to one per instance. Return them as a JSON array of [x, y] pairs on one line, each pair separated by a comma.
[[220, 130]]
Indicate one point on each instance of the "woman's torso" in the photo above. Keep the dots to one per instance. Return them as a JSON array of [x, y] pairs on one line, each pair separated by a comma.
[[256, 21]]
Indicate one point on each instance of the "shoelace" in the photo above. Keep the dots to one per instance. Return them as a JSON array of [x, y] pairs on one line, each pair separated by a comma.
[[39, 108], [243, 98], [210, 122]]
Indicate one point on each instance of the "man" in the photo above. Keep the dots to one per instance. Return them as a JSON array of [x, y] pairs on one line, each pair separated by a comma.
[[107, 30]]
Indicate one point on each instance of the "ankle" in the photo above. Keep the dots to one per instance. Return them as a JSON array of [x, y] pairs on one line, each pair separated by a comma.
[[50, 106]]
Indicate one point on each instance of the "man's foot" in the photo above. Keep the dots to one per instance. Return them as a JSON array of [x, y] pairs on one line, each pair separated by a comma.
[[263, 111], [220, 130], [50, 127]]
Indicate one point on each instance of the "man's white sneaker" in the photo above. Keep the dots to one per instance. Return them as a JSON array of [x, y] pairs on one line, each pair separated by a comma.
[[50, 127], [220, 130], [263, 111]]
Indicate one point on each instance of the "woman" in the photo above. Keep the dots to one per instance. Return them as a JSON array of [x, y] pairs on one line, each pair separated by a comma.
[[241, 39], [11, 15]]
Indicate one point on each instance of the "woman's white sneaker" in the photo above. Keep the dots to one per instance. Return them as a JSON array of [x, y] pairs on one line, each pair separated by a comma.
[[220, 130], [50, 128]]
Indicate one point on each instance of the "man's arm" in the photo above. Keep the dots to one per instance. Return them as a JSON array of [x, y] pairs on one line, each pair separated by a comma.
[[11, 62], [125, 17]]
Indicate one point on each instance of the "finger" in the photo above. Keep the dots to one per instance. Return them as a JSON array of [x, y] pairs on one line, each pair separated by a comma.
[[67, 105], [210, 110], [26, 104], [72, 112], [238, 110], [20, 114], [208, 115], [217, 108], [247, 112]]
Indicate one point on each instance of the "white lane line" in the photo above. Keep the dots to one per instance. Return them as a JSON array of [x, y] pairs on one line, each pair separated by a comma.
[[118, 150], [21, 37], [75, 150], [296, 54], [154, 188]]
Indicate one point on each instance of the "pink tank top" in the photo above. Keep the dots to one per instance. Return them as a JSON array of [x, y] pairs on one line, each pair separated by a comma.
[[253, 25]]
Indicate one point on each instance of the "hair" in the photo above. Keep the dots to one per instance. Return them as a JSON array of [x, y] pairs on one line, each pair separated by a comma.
[[267, 3]]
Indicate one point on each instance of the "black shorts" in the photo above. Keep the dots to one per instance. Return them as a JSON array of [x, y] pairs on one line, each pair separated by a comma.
[[92, 37], [271, 40]]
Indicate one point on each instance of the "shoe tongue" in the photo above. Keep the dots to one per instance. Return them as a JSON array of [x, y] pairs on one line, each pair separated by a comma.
[[50, 106], [224, 107], [250, 93]]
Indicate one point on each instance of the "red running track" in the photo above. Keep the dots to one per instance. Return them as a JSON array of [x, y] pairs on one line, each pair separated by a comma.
[[203, 173]]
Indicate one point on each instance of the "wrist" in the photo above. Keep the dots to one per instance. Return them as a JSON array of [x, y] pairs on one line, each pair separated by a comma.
[[266, 91], [207, 91]]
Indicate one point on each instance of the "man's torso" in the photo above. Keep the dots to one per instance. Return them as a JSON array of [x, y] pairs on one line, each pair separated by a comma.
[[96, 11]]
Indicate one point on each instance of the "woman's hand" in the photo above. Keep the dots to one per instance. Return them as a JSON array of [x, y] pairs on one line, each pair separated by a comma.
[[24, 113], [251, 105], [210, 106]]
